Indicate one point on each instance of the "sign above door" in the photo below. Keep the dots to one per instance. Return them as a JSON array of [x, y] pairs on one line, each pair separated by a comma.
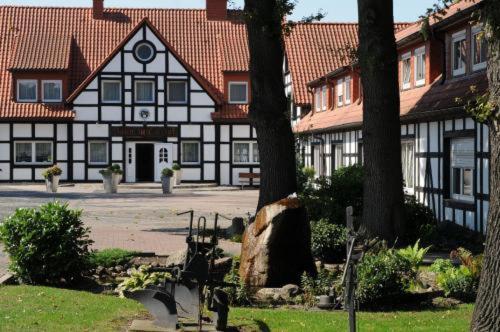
[[145, 132]]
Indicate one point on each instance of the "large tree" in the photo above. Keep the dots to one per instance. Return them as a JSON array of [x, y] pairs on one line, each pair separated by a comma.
[[383, 183], [268, 107], [487, 311]]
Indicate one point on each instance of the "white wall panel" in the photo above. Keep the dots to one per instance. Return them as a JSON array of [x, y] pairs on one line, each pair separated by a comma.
[[459, 124], [78, 132], [241, 131], [93, 174], [97, 130], [78, 171], [4, 132], [224, 133], [201, 114], [114, 65], [129, 46], [86, 113], [62, 132], [38, 174], [177, 114], [116, 151], [4, 151], [201, 99], [191, 174], [209, 152], [209, 133], [62, 151], [224, 174], [157, 65], [190, 131], [4, 171], [86, 98], [64, 168], [22, 174], [153, 39], [78, 151], [195, 85], [111, 113], [209, 172], [224, 152], [175, 66], [131, 65], [22, 130]]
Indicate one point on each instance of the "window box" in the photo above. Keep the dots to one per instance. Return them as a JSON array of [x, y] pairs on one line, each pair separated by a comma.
[[420, 66], [27, 91], [144, 91], [190, 153], [33, 152], [245, 152], [238, 92], [98, 153], [52, 91], [177, 92], [111, 91]]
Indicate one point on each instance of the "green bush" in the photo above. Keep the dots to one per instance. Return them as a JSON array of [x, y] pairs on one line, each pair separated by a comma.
[[176, 167], [383, 276], [313, 287], [46, 245], [110, 257], [414, 254], [113, 169], [458, 282], [328, 197], [52, 171], [141, 278], [441, 265], [240, 295], [420, 222], [328, 241], [167, 172]]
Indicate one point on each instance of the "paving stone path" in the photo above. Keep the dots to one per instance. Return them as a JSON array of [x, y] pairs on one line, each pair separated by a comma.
[[137, 218]]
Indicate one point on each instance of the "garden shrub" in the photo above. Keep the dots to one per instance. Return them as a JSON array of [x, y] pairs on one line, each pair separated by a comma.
[[420, 222], [328, 241], [414, 255], [383, 276], [141, 278], [110, 257], [328, 197], [46, 245], [315, 286], [441, 265], [240, 295]]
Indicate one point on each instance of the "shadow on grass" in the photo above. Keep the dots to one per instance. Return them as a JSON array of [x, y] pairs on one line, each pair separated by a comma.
[[262, 327]]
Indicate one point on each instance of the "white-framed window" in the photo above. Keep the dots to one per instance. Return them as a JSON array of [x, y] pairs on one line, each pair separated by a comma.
[[458, 53], [479, 48], [238, 92], [324, 98], [111, 91], [245, 152], [27, 90], [462, 169], [177, 92], [33, 152], [98, 152], [317, 99], [420, 66], [347, 84], [408, 163], [52, 91], [190, 152], [144, 91], [340, 92], [406, 70], [338, 150]]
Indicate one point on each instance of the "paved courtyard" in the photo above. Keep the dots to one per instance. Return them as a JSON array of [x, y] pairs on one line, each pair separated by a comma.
[[138, 217]]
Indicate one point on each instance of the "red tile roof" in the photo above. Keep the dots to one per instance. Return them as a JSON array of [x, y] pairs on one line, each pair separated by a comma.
[[416, 102], [231, 113], [314, 49]]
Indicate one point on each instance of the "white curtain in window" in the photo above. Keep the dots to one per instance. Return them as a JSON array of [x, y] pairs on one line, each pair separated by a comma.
[[406, 71], [27, 90], [255, 150], [43, 152], [144, 91], [98, 152], [23, 152], [407, 151], [190, 152], [111, 91], [241, 152], [462, 153], [51, 91]]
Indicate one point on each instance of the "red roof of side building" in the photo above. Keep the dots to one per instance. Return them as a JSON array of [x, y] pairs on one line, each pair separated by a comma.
[[418, 102]]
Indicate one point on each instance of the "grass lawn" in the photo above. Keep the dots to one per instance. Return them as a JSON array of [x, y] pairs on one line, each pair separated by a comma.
[[281, 320], [32, 308]]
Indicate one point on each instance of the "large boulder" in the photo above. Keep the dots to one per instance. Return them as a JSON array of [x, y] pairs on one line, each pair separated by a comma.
[[276, 247]]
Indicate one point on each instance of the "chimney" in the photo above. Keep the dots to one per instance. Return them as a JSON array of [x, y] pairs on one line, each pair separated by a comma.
[[216, 10], [98, 9]]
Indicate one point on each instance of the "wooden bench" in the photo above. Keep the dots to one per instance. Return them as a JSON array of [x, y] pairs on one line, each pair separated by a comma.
[[248, 178]]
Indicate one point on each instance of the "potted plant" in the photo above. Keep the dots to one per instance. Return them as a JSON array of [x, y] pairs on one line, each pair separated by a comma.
[[52, 175], [167, 182], [177, 173], [111, 178]]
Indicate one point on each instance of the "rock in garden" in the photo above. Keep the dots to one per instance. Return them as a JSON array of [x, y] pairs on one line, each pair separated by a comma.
[[100, 270], [427, 279], [289, 291], [118, 268], [268, 295], [176, 259], [276, 247]]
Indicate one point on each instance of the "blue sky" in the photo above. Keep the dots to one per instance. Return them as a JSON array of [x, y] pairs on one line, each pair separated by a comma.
[[337, 10]]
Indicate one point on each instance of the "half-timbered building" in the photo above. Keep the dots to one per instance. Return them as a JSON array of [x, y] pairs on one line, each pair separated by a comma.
[[444, 152]]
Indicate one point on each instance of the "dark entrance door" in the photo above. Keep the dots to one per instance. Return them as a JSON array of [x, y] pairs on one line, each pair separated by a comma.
[[144, 162]]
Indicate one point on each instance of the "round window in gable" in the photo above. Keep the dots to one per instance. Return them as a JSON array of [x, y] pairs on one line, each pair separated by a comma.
[[144, 52]]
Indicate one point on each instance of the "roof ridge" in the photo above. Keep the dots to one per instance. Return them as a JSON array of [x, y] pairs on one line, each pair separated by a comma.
[[106, 8]]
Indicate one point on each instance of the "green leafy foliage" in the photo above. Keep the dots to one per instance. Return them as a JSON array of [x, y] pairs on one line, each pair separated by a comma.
[[383, 276], [420, 222], [110, 257], [327, 197], [141, 278], [240, 295], [46, 245], [176, 167], [167, 172], [113, 169], [50, 172], [441, 265], [328, 241], [313, 287], [414, 254]]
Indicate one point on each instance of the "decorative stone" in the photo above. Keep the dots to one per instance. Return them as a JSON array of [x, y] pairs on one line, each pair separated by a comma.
[[276, 247], [428, 279], [289, 291], [176, 259]]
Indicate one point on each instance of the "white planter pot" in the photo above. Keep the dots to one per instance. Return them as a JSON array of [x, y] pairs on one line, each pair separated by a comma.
[[178, 177], [110, 183], [167, 184], [117, 179], [52, 184]]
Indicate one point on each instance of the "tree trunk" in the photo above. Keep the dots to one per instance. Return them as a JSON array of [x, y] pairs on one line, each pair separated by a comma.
[[383, 182], [268, 107], [487, 311]]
